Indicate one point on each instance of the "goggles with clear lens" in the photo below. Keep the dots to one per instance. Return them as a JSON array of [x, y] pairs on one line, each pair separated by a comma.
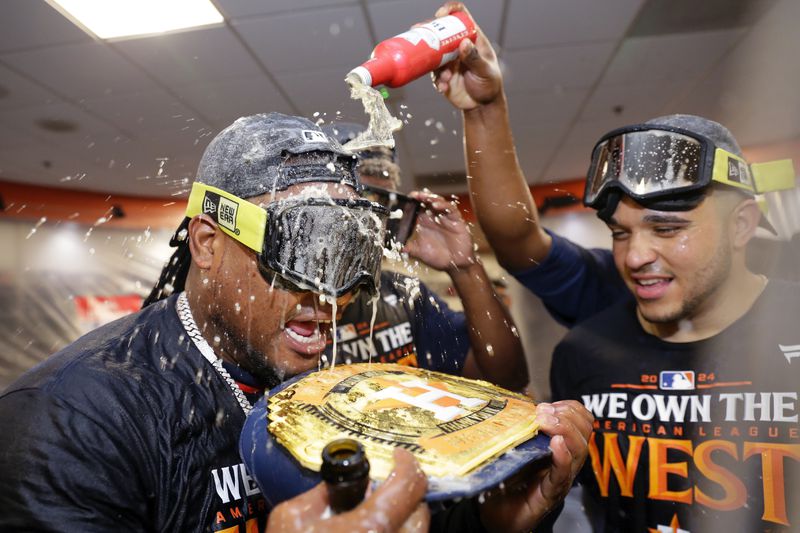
[[326, 245], [403, 211], [648, 162]]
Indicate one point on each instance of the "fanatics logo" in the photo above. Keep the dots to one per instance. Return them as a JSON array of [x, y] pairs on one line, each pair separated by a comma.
[[790, 352], [676, 380]]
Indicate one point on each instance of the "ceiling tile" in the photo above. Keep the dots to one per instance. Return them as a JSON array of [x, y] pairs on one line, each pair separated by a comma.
[[659, 17], [248, 8], [433, 135], [552, 106], [18, 91], [283, 42], [12, 137], [323, 92], [224, 101], [554, 53], [669, 57], [209, 54], [536, 146], [573, 155], [538, 121], [22, 154], [41, 164], [754, 91], [393, 17], [30, 24], [82, 70], [545, 22], [771, 117], [560, 67], [13, 168], [633, 103], [88, 127], [147, 112]]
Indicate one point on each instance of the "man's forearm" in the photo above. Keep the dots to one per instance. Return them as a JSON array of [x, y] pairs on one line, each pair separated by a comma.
[[493, 336], [499, 193]]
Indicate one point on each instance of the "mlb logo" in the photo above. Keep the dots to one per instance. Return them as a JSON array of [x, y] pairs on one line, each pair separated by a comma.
[[314, 136], [346, 333], [676, 380]]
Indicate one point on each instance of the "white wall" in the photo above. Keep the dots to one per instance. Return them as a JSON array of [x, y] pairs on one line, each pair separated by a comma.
[[44, 266]]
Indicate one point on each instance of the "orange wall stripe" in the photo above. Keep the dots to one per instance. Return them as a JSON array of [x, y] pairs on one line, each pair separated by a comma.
[[32, 202]]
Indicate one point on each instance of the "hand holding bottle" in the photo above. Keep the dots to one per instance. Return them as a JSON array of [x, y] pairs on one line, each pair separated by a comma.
[[423, 48], [473, 78], [395, 505]]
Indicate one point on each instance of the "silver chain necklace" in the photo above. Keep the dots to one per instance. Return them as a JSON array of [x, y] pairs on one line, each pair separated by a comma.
[[185, 315]]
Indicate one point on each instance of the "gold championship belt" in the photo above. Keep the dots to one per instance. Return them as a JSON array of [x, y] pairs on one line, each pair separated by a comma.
[[451, 424]]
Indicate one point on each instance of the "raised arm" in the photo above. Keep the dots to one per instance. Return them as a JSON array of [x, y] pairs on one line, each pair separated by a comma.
[[500, 195], [443, 242]]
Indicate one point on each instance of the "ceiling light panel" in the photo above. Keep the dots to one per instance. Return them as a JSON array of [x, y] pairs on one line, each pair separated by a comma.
[[115, 19]]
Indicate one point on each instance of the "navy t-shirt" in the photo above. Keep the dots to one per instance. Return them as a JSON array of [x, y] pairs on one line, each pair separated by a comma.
[[127, 429], [412, 326], [573, 282], [696, 436]]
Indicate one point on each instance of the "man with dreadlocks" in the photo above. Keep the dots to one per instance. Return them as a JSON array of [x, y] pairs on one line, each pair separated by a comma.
[[135, 426]]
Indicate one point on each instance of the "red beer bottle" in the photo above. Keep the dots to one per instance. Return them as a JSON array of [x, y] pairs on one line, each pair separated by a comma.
[[407, 56]]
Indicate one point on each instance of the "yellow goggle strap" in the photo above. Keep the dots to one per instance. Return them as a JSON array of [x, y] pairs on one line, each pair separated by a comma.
[[732, 170], [757, 178], [239, 219], [773, 175]]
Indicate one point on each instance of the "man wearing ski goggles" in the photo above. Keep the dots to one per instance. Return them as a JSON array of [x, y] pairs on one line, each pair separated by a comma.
[[669, 166], [322, 244], [276, 241], [672, 309]]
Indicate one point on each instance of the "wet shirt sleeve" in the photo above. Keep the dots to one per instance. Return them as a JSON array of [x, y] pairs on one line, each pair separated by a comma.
[[573, 282], [47, 482], [441, 335]]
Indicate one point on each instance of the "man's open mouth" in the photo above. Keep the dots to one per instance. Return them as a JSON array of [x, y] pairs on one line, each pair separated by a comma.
[[307, 335], [651, 288]]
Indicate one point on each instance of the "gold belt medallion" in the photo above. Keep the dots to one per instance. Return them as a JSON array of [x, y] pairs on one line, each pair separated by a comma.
[[451, 424]]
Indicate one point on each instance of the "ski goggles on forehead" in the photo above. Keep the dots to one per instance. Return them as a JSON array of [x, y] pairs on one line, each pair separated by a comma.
[[325, 245], [403, 211], [648, 162]]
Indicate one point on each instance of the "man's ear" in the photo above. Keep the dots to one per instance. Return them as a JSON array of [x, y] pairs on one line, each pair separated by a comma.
[[203, 232], [745, 218]]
